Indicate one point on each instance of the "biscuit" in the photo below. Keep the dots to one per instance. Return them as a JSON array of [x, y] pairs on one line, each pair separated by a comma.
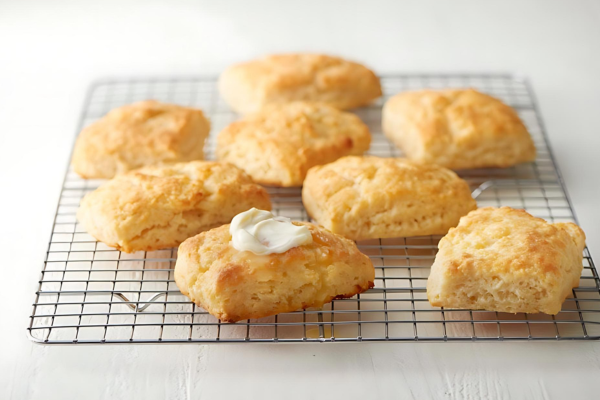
[[457, 129], [234, 285], [370, 197], [278, 145], [140, 134], [282, 78], [501, 259], [158, 207]]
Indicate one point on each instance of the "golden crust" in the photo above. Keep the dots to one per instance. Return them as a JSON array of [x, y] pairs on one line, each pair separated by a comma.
[[282, 78], [158, 207], [234, 285], [371, 197], [278, 145], [457, 129], [140, 134], [502, 259]]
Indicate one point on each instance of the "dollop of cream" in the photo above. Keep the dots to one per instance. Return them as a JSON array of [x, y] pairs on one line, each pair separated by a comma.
[[263, 233]]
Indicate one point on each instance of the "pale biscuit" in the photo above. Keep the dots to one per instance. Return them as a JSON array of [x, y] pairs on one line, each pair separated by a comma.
[[234, 285], [158, 207], [278, 145], [282, 78], [501, 259], [140, 134], [457, 129], [371, 197]]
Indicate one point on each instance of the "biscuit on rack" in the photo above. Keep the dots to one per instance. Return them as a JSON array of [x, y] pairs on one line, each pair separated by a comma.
[[235, 285], [502, 259], [371, 197], [140, 134], [158, 207], [282, 78], [279, 144], [457, 129]]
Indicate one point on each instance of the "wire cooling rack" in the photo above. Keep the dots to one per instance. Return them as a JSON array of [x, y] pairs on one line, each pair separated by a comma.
[[91, 293]]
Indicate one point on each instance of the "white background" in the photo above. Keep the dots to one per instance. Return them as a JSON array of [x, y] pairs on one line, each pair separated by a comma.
[[50, 51]]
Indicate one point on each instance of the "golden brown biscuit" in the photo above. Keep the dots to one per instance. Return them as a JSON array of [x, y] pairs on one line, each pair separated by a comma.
[[140, 134], [371, 197], [501, 259], [282, 78], [234, 285], [457, 129], [158, 207], [278, 145]]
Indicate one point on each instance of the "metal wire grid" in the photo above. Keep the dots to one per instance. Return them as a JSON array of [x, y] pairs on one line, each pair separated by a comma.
[[91, 293]]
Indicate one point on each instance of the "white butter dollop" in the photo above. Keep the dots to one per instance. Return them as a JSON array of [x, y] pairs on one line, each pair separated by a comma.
[[263, 233]]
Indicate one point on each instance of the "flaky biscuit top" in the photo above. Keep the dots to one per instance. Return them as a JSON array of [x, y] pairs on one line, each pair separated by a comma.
[[280, 143], [457, 128], [139, 134], [282, 78], [233, 285], [371, 197], [517, 242], [160, 206]]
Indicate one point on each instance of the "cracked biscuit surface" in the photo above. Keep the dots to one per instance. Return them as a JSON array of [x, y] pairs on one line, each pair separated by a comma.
[[371, 197], [235, 285], [278, 145], [140, 134], [281, 78], [457, 129], [502, 259], [160, 206]]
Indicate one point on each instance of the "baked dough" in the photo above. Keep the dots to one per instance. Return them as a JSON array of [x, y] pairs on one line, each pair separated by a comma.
[[158, 207], [282, 78], [278, 145], [370, 197], [501, 259], [234, 285], [457, 129], [140, 134]]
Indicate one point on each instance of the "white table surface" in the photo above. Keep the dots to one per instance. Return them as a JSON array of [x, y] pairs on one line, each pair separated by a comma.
[[50, 51]]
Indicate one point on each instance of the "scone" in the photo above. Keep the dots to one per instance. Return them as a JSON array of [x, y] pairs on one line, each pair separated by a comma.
[[158, 207], [140, 134], [234, 285], [457, 129], [502, 259], [370, 197], [282, 78], [278, 145]]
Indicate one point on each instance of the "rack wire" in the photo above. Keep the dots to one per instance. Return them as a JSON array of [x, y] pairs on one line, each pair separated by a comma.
[[91, 293]]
